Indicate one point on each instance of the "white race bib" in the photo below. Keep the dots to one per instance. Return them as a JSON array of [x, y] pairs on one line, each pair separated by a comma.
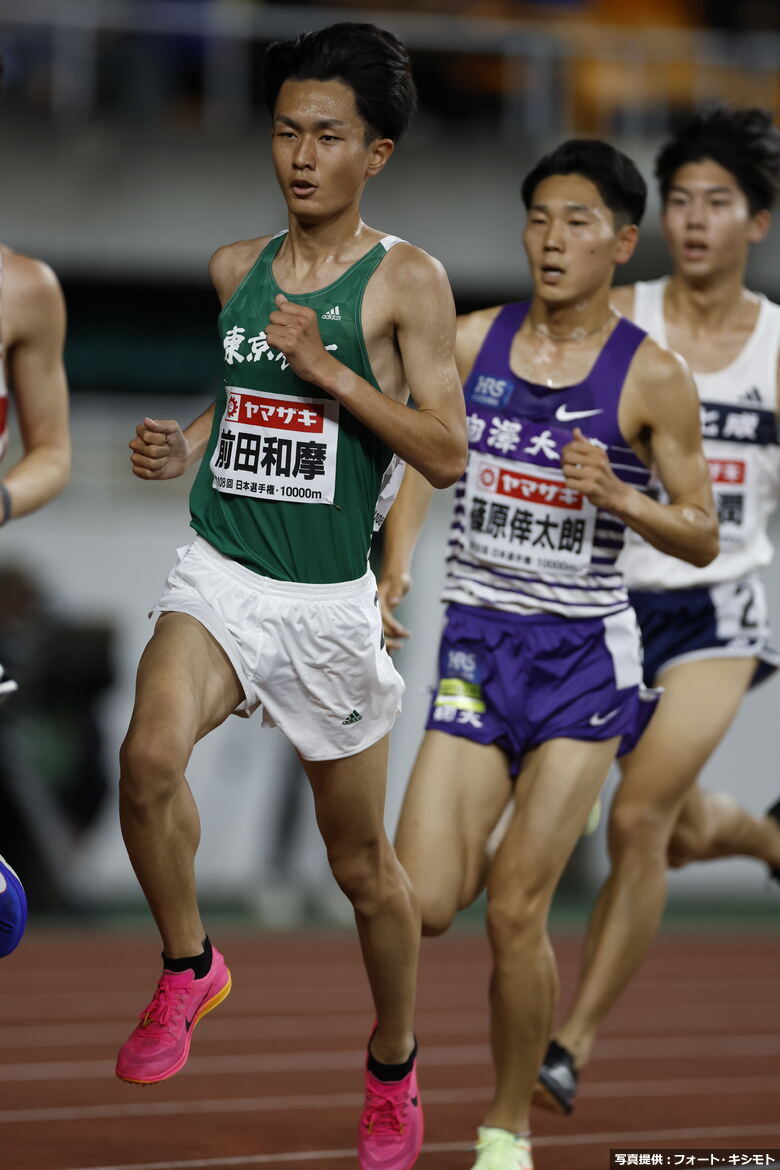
[[525, 517], [277, 447]]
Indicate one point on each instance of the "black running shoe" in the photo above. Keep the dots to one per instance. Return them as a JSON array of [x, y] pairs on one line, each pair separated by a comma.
[[774, 813], [556, 1085]]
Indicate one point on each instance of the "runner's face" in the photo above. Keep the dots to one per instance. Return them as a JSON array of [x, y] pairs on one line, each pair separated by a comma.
[[707, 222], [319, 149], [571, 241]]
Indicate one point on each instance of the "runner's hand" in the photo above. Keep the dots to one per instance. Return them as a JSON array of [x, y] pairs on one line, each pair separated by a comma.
[[293, 330], [7, 686], [160, 449], [586, 469], [392, 588]]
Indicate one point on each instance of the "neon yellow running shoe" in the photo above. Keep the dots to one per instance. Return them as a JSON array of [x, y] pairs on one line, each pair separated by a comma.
[[498, 1149]]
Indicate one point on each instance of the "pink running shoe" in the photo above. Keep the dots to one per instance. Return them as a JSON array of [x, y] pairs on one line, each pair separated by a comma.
[[160, 1045], [391, 1127]]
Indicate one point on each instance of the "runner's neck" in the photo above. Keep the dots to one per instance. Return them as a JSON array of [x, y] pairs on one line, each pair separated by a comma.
[[577, 324], [709, 307]]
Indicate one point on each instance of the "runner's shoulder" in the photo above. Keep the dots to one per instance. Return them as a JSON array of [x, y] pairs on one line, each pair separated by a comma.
[[473, 328], [413, 269], [27, 276], [31, 293], [231, 262], [661, 377]]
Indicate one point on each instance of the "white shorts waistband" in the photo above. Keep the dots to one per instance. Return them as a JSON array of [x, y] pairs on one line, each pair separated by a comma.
[[293, 590]]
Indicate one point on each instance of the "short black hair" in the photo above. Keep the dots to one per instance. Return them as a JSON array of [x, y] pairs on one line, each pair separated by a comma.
[[612, 173], [373, 63], [742, 141]]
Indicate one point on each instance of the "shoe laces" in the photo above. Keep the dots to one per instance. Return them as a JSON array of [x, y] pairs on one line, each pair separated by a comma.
[[166, 1002], [499, 1149], [385, 1111]]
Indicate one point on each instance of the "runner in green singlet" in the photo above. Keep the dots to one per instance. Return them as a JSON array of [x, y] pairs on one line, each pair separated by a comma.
[[327, 329]]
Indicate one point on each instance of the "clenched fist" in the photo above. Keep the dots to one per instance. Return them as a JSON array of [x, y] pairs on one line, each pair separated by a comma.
[[586, 468], [294, 331], [160, 449]]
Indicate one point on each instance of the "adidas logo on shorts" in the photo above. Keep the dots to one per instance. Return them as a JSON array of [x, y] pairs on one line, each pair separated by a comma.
[[353, 717], [333, 314]]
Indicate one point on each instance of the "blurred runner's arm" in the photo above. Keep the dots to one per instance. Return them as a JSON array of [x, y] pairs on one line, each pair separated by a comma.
[[38, 384], [401, 530]]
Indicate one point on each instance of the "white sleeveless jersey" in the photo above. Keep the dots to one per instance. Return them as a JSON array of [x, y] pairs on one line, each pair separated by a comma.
[[3, 386], [740, 439]]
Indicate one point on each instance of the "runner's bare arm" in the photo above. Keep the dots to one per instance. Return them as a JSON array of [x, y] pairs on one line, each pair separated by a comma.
[[161, 450], [35, 311], [433, 438], [401, 530], [407, 515], [661, 421]]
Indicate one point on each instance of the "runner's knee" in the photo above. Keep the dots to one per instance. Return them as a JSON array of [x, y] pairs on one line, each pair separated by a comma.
[[637, 828], [515, 921], [366, 873], [151, 767]]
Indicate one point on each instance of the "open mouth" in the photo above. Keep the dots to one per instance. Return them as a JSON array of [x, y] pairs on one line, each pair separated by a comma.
[[552, 272], [302, 188], [694, 249]]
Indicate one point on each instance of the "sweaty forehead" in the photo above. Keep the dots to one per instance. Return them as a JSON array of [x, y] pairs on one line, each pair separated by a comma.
[[567, 192], [305, 100]]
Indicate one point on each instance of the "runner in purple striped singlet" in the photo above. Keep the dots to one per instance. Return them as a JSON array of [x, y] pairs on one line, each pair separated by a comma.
[[540, 683], [32, 336]]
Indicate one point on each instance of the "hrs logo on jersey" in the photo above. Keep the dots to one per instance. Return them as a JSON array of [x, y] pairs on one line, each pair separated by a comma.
[[493, 392], [464, 664]]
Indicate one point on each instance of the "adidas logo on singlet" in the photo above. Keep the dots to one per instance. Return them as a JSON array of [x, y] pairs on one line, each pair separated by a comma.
[[353, 717], [751, 395], [333, 314]]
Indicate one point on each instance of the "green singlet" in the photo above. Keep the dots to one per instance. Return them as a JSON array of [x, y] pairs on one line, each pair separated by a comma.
[[290, 479]]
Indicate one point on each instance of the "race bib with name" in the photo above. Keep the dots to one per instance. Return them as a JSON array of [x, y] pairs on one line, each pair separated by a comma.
[[277, 447], [731, 487], [525, 517]]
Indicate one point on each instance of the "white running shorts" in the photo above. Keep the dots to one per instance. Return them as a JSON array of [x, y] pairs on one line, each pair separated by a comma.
[[311, 657]]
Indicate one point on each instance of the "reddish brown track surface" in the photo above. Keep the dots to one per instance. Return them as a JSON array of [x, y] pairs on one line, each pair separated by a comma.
[[689, 1059]]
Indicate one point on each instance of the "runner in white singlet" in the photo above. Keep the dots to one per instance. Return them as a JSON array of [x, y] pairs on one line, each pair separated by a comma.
[[705, 630]]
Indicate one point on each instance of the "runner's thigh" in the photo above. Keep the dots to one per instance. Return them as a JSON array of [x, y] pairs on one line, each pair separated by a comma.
[[699, 703], [186, 684], [457, 792], [554, 795]]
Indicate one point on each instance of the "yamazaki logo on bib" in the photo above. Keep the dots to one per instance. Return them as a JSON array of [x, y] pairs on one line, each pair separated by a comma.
[[277, 447], [518, 518], [529, 487], [256, 411]]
